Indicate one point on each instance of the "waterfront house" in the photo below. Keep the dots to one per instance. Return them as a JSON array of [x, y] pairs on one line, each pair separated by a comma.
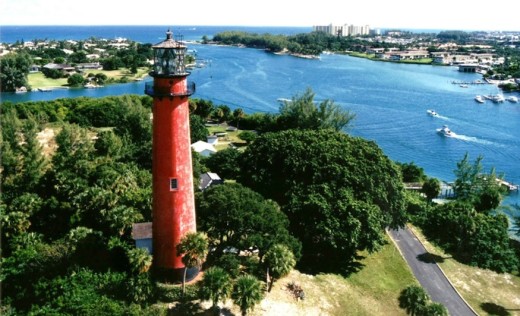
[[409, 55], [64, 68]]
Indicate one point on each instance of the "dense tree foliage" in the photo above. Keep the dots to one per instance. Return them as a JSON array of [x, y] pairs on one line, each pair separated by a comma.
[[66, 215], [411, 172], [458, 36], [472, 185], [416, 301], [224, 163], [302, 112], [475, 238], [431, 188], [339, 192], [236, 217], [14, 71], [312, 43]]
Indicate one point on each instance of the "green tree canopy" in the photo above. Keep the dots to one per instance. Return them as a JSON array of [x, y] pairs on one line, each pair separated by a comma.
[[302, 112], [339, 192], [224, 163], [237, 217], [431, 188], [413, 299]]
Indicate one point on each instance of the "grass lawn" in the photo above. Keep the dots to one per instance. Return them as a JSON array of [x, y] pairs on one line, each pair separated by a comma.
[[486, 291], [38, 80], [374, 290], [230, 137]]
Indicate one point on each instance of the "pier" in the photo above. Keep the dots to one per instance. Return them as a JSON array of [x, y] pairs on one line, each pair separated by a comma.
[[470, 82]]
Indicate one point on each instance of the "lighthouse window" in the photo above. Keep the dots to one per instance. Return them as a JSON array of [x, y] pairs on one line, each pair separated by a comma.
[[173, 184]]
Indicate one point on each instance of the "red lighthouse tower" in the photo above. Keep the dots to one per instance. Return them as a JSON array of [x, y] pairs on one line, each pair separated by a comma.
[[173, 198]]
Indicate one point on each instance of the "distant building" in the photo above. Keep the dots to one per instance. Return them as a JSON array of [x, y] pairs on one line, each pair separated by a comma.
[[342, 30], [64, 68]]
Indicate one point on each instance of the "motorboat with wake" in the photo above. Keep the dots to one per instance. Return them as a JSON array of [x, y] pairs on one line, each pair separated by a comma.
[[445, 131], [432, 113]]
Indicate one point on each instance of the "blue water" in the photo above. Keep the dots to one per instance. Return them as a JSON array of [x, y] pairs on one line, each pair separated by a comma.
[[390, 101]]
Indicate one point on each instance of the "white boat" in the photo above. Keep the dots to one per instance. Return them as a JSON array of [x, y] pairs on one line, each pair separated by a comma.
[[445, 131], [284, 100], [432, 113], [512, 99], [499, 98], [479, 99]]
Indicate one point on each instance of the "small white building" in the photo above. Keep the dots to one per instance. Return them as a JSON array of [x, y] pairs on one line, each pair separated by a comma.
[[203, 148]]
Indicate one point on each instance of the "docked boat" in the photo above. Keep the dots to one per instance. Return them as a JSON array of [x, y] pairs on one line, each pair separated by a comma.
[[512, 99], [479, 99], [445, 131], [499, 98], [432, 113]]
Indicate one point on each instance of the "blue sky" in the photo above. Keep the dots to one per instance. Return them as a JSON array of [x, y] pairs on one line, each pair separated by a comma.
[[439, 14]]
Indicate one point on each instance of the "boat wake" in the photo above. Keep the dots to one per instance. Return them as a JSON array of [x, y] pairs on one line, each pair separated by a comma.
[[472, 139]]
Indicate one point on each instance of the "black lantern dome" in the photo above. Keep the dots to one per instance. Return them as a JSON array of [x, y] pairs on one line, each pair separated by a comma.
[[169, 57]]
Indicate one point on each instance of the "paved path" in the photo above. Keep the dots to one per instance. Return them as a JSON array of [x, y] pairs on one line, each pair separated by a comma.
[[430, 276]]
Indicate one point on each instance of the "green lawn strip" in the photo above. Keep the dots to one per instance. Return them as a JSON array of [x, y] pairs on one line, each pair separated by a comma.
[[38, 80], [230, 137], [378, 285], [483, 289]]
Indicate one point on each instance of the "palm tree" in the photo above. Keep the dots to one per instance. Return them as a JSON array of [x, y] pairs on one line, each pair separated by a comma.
[[247, 293], [279, 261], [194, 248], [215, 286], [413, 299], [238, 114]]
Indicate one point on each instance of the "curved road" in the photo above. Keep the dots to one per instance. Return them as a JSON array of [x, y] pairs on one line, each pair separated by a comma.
[[430, 276]]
